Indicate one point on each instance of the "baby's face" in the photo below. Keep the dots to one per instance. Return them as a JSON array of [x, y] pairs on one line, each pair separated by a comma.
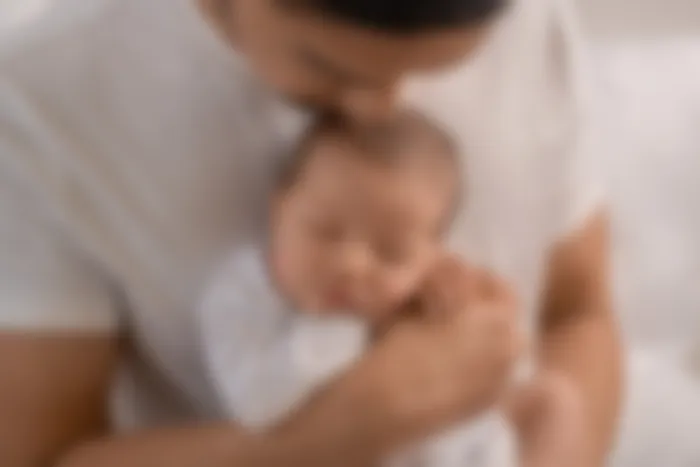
[[355, 235]]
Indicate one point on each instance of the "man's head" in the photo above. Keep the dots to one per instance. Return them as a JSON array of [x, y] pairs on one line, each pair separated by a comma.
[[351, 56], [359, 214]]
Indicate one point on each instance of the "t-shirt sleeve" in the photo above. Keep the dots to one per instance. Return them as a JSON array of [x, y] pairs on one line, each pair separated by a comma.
[[588, 147], [586, 193], [45, 285]]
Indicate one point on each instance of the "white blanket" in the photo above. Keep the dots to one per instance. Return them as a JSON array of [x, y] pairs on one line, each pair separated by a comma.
[[267, 359]]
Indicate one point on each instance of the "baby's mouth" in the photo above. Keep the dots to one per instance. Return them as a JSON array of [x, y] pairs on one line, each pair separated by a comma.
[[338, 298]]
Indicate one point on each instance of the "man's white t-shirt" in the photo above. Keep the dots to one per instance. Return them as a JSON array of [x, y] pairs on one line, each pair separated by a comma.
[[136, 147]]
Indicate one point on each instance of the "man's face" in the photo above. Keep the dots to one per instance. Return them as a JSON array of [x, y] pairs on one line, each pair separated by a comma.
[[327, 64]]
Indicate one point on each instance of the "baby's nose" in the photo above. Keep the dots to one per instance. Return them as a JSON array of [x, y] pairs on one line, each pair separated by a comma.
[[355, 263], [354, 271]]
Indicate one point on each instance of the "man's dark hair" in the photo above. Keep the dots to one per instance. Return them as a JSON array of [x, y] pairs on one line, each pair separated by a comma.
[[404, 16]]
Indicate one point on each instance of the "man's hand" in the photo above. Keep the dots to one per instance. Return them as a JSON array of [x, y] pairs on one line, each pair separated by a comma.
[[449, 288], [435, 372]]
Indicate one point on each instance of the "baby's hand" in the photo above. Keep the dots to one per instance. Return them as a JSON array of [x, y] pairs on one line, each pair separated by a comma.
[[448, 288]]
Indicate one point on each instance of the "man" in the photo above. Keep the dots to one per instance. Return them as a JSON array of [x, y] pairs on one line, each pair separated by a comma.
[[133, 138]]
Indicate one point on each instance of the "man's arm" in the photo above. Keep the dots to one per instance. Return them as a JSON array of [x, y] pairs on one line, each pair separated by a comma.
[[52, 394], [53, 398], [410, 385], [579, 331]]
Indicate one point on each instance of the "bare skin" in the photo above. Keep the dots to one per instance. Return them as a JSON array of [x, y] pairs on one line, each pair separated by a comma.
[[296, 53], [53, 410], [580, 335], [52, 394], [66, 429], [372, 410]]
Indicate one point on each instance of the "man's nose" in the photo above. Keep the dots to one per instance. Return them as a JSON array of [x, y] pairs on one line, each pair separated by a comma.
[[368, 106]]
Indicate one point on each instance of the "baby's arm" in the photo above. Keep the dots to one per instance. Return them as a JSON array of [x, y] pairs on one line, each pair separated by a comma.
[[264, 359]]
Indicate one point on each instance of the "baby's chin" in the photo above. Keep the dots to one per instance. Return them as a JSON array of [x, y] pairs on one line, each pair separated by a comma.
[[321, 309], [336, 313], [317, 305], [321, 305]]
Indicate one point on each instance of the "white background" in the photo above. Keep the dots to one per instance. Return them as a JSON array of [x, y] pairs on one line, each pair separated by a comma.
[[644, 19]]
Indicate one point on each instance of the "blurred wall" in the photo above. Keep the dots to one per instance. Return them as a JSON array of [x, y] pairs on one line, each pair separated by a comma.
[[645, 19], [604, 18]]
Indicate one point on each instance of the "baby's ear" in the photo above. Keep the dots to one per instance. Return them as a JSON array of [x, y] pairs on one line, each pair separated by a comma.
[[276, 200]]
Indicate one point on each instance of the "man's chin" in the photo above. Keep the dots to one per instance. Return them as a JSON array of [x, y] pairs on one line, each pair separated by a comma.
[[306, 104]]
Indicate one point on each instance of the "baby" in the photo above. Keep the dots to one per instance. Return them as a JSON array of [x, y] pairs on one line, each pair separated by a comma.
[[356, 223]]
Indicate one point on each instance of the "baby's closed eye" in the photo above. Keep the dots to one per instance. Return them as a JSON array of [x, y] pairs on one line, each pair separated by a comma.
[[327, 231], [393, 253]]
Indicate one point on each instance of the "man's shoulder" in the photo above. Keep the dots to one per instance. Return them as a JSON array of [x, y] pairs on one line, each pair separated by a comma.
[[52, 64], [76, 49], [519, 113], [529, 76], [31, 35]]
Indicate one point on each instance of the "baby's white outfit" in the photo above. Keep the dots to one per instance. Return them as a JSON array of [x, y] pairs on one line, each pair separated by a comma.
[[267, 359]]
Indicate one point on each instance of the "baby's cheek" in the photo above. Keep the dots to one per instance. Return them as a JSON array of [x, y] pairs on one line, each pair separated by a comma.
[[282, 272], [293, 266]]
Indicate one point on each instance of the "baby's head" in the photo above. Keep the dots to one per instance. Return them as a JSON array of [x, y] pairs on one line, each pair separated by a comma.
[[359, 214]]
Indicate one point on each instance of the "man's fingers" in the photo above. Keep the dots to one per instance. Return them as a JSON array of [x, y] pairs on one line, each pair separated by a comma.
[[454, 273], [492, 287], [449, 288]]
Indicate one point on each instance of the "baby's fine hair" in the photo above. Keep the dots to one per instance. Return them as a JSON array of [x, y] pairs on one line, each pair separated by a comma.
[[406, 138]]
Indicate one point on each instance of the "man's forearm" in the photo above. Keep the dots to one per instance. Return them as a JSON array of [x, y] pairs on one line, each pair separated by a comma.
[[333, 431], [579, 332], [586, 347], [212, 446]]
